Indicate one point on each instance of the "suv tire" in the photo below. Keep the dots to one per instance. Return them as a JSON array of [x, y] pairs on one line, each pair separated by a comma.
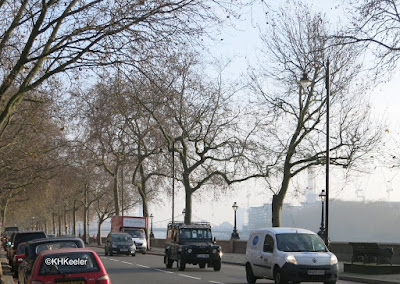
[[181, 263], [168, 262], [202, 265], [217, 265]]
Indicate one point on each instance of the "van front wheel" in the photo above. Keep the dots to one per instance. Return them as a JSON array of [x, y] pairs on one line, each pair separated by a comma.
[[278, 277], [249, 274]]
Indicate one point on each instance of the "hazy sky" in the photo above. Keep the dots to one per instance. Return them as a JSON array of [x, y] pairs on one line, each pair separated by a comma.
[[240, 46]]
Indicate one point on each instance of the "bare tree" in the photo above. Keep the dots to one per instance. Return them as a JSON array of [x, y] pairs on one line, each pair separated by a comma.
[[40, 39], [376, 24], [295, 117], [202, 127]]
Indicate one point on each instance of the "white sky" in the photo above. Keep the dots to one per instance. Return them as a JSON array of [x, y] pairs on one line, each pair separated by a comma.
[[240, 46]]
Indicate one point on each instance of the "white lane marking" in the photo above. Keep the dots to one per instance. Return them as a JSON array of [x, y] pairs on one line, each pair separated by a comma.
[[215, 282], [188, 276], [114, 259], [142, 266], [126, 262], [165, 271]]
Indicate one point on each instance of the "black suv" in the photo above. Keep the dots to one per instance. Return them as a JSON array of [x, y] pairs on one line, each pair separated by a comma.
[[191, 243]]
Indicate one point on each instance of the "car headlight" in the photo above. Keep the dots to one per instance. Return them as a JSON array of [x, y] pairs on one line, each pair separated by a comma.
[[189, 250], [214, 251], [334, 259], [113, 246], [291, 259]]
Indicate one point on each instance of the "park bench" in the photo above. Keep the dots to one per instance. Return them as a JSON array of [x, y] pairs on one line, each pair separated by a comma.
[[371, 252]]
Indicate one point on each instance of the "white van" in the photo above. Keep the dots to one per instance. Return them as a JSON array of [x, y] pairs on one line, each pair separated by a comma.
[[289, 254]]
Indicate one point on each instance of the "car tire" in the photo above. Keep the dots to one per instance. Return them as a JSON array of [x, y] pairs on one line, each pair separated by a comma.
[[111, 252], [330, 282], [105, 251], [249, 274], [202, 265], [278, 277], [134, 254], [168, 262], [217, 265], [181, 263]]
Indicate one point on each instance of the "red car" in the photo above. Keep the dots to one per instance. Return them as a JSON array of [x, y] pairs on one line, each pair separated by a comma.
[[19, 256], [70, 265]]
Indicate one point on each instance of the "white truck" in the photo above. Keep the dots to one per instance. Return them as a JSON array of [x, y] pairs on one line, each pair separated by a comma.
[[135, 226]]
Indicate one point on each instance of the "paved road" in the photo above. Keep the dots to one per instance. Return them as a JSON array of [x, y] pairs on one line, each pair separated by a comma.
[[150, 269]]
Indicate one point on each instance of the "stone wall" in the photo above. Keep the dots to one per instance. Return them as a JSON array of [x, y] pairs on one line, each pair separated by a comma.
[[342, 250]]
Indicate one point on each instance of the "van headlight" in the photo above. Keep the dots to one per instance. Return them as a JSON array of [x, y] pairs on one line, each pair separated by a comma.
[[291, 259], [333, 259]]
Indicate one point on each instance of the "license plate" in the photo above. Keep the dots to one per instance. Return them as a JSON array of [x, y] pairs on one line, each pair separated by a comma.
[[316, 272], [72, 282], [123, 249], [203, 256]]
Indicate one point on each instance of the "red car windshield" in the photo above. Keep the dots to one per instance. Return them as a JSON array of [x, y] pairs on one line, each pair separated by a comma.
[[74, 262]]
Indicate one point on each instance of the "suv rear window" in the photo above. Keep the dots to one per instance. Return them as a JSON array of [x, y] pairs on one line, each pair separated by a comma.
[[24, 237], [57, 263]]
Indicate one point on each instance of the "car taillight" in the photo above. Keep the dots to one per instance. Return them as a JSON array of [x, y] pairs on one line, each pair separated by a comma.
[[105, 279]]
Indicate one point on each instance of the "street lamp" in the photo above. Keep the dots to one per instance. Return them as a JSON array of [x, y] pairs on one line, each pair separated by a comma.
[[151, 228], [321, 232], [327, 87], [235, 234]]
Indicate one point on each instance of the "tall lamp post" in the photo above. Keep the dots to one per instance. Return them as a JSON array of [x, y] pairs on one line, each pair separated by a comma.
[[321, 232], [151, 228], [235, 234], [327, 87], [305, 82]]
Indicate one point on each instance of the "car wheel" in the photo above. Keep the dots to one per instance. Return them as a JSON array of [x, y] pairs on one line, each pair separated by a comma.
[[134, 254], [111, 252], [181, 264], [202, 265], [105, 251], [249, 274], [217, 265], [330, 282], [168, 262], [278, 277]]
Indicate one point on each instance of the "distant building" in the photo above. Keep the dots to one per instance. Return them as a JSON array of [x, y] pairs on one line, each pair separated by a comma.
[[259, 217]]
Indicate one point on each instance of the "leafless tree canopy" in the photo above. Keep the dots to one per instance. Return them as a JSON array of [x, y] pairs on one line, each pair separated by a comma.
[[376, 24], [296, 118]]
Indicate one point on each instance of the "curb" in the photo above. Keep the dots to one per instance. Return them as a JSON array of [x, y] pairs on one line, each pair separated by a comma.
[[364, 280]]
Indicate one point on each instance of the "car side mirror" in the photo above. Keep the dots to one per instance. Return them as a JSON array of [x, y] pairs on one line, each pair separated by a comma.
[[214, 240]]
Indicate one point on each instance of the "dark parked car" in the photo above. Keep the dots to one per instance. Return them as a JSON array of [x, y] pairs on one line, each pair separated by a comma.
[[19, 256], [191, 243], [34, 247], [119, 243], [21, 237], [89, 271], [5, 236]]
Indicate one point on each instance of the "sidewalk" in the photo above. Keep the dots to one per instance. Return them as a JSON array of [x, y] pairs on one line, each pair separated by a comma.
[[239, 259]]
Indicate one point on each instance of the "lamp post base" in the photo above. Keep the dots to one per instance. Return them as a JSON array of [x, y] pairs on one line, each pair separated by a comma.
[[235, 235]]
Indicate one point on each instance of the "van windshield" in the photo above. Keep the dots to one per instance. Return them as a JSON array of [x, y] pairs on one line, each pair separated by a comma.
[[300, 243]]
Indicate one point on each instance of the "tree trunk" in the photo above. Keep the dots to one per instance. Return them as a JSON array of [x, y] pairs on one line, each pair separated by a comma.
[[188, 207], [277, 199], [99, 242], [74, 218], [85, 215], [116, 190]]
